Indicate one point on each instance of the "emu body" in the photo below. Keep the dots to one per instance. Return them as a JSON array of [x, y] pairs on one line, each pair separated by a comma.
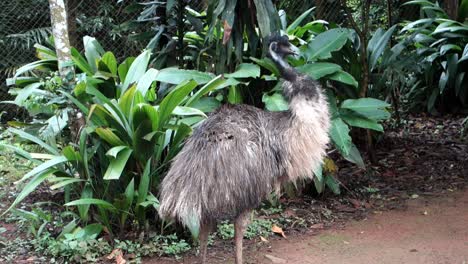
[[240, 154]]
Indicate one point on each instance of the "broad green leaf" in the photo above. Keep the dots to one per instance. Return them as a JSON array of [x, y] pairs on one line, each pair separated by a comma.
[[377, 45], [369, 107], [298, 21], [129, 196], [17, 151], [234, 95], [111, 62], [46, 166], [64, 182], [267, 17], [357, 120], [206, 104], [123, 68], [448, 47], [325, 43], [93, 51], [109, 136], [71, 154], [136, 70], [117, 164], [44, 53], [339, 133], [318, 179], [245, 70], [210, 86], [411, 25], [173, 99], [30, 187], [187, 111], [81, 62], [275, 102], [465, 51], [177, 76], [131, 98], [91, 201], [114, 151], [268, 64], [354, 156], [23, 94], [332, 183], [319, 69], [344, 77], [182, 132], [143, 187], [34, 65], [443, 82], [144, 84]]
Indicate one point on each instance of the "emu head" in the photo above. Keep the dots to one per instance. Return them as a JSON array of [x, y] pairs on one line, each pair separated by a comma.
[[280, 47]]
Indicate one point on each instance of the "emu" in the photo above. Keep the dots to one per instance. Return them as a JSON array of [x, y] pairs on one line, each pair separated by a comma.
[[241, 153]]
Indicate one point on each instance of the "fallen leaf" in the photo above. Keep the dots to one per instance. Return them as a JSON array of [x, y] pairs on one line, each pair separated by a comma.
[[317, 226], [263, 239], [274, 259], [278, 230], [117, 254]]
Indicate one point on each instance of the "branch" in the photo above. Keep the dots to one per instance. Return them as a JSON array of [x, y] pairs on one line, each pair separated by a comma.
[[351, 19]]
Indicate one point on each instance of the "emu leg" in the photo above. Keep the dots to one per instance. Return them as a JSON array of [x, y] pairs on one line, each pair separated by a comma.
[[203, 241], [239, 228]]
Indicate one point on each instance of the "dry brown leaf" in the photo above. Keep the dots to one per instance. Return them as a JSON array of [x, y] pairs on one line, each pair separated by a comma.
[[263, 239], [278, 230], [117, 254]]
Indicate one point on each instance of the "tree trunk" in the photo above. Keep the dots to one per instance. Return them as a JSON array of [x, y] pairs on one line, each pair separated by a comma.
[[451, 7], [58, 16]]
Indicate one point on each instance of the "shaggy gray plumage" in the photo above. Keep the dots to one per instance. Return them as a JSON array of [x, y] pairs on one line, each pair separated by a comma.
[[240, 154]]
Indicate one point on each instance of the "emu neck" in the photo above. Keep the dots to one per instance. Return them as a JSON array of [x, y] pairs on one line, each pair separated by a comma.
[[287, 72]]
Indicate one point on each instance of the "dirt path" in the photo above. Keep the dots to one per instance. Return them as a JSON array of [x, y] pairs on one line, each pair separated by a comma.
[[427, 231]]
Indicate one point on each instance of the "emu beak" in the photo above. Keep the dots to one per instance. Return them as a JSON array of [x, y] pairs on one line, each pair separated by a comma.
[[292, 50]]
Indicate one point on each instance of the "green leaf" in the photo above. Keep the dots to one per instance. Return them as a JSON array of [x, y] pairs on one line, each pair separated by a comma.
[[275, 102], [177, 76], [81, 62], [331, 182], [117, 164], [111, 62], [377, 45], [143, 187], [268, 64], [318, 179], [93, 51], [34, 65], [187, 111], [344, 77], [369, 107], [146, 80], [267, 17], [319, 69], [245, 70], [123, 68], [129, 196], [109, 136], [448, 47], [354, 156], [30, 187], [298, 21], [136, 70], [173, 99], [48, 165], [325, 43], [356, 120], [92, 201], [64, 182], [339, 133], [234, 95], [210, 86], [465, 51]]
